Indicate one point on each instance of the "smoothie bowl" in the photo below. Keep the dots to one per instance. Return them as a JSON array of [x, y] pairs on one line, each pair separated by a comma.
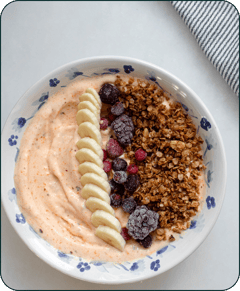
[[132, 210]]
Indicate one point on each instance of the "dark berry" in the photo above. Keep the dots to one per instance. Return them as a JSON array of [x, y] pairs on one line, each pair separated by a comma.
[[117, 109], [107, 166], [141, 222], [123, 128], [140, 155], [146, 242], [129, 205], [119, 164], [120, 177], [115, 200], [104, 155], [114, 150], [103, 123], [132, 169], [124, 233], [109, 94], [132, 183], [117, 188]]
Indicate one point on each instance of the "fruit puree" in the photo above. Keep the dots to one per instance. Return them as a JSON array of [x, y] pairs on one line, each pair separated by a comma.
[[48, 185]]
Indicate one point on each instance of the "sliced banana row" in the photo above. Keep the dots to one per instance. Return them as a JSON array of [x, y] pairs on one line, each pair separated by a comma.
[[94, 180]]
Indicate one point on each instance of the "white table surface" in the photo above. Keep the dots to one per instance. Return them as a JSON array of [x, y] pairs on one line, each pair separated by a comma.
[[38, 37]]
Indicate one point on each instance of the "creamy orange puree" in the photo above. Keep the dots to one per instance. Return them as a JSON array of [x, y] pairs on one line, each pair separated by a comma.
[[48, 182]]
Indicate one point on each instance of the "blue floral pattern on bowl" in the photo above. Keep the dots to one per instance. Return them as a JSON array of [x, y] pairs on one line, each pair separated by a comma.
[[83, 267], [53, 82], [12, 140], [155, 265], [20, 218], [151, 263], [210, 202]]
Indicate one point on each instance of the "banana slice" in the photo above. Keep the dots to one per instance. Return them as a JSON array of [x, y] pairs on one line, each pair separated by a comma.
[[94, 204], [89, 97], [88, 105], [85, 115], [90, 178], [91, 144], [87, 155], [94, 93], [101, 217], [87, 129], [88, 167], [90, 190], [111, 237]]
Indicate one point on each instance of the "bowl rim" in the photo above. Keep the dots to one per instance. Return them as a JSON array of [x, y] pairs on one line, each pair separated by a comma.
[[193, 95]]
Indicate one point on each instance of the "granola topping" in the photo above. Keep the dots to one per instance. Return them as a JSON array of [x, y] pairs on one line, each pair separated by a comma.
[[169, 175]]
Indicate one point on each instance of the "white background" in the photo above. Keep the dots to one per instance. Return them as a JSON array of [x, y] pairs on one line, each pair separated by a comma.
[[38, 37]]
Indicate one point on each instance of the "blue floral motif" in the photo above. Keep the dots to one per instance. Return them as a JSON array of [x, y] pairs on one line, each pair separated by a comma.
[[44, 97], [74, 73], [20, 218], [155, 265], [184, 106], [128, 69], [208, 148], [12, 140], [34, 232], [83, 267], [162, 250], [113, 70], [17, 153], [97, 264], [18, 123], [209, 177], [42, 100], [109, 71], [205, 124], [151, 76], [210, 202], [12, 194], [134, 267], [193, 224], [64, 257], [53, 82]]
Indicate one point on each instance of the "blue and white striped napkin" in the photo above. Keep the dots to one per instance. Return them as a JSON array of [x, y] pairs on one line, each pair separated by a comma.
[[215, 25]]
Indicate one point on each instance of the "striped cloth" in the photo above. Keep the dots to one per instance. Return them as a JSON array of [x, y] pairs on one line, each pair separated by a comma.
[[215, 25]]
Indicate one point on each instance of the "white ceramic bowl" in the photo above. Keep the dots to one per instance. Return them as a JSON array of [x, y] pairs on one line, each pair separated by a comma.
[[214, 159]]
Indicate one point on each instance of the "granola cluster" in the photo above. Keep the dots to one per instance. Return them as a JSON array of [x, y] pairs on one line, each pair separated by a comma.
[[169, 174]]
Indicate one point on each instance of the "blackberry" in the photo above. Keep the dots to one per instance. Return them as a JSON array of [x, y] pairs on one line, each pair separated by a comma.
[[119, 165], [109, 94], [132, 183], [123, 128], [115, 200], [141, 222], [129, 205], [117, 109], [120, 177], [146, 242], [116, 188]]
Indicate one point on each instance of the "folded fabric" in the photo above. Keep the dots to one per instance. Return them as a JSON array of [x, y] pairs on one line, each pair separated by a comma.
[[215, 25]]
